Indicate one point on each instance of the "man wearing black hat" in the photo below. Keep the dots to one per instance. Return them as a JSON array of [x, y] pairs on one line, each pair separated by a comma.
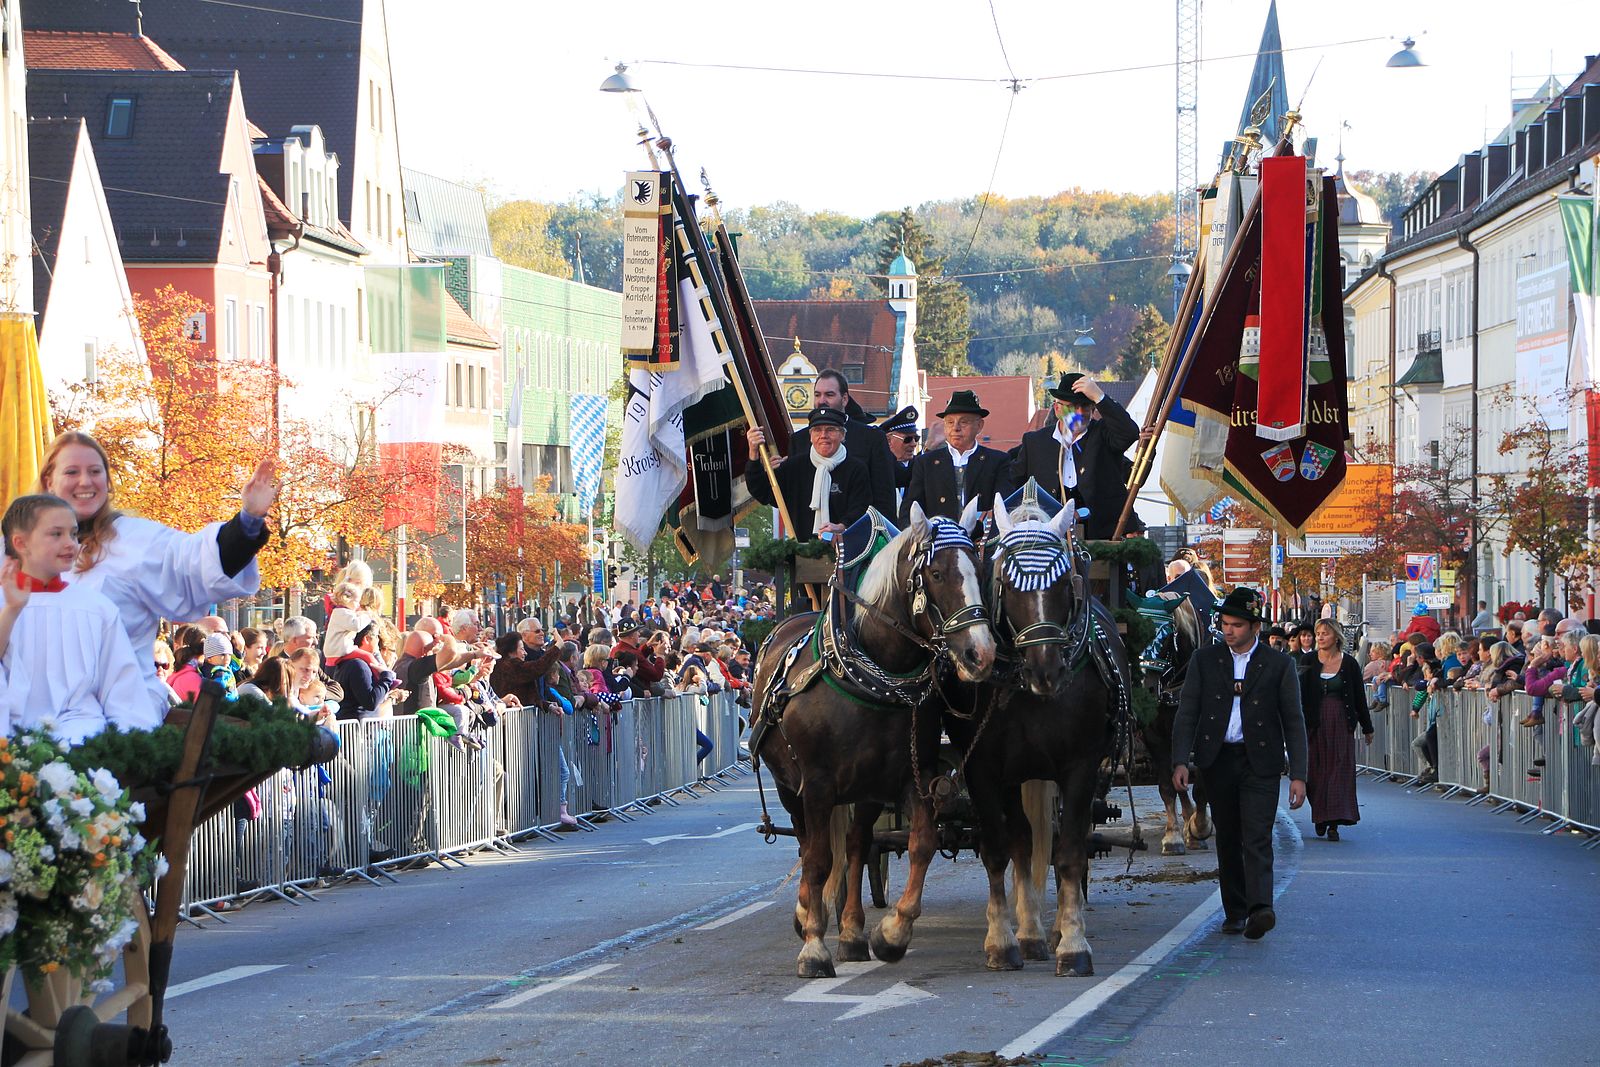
[[901, 431], [863, 441], [1079, 454], [1238, 712], [824, 488], [945, 478]]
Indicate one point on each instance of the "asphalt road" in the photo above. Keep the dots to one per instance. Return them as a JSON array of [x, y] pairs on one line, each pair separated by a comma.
[[1432, 934]]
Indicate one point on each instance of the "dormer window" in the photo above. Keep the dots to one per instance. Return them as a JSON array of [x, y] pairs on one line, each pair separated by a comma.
[[119, 117], [855, 373]]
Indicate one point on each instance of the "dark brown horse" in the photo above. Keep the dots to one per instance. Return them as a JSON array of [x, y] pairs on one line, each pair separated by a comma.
[[858, 734], [1176, 648], [1051, 718]]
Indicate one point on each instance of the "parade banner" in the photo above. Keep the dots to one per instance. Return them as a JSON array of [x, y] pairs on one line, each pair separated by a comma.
[[648, 271], [410, 439], [1578, 225], [1541, 334], [588, 433], [1284, 284], [1291, 480]]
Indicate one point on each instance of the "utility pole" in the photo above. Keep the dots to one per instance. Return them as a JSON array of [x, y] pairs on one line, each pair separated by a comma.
[[1186, 143]]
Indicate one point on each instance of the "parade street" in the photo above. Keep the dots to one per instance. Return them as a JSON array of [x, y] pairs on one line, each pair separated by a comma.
[[1434, 933]]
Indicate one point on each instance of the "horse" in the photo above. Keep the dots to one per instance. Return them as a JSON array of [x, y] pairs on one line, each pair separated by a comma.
[[1052, 718], [1175, 649], [855, 735]]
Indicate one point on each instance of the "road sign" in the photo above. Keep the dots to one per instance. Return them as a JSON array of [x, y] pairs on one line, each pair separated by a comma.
[[1437, 601], [741, 537], [1277, 562], [1422, 568], [598, 581], [1323, 546], [1447, 577]]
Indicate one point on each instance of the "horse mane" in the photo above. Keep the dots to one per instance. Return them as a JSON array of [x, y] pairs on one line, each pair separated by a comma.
[[1028, 511], [880, 581]]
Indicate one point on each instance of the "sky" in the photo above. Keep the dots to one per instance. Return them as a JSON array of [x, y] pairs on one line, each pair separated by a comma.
[[506, 91]]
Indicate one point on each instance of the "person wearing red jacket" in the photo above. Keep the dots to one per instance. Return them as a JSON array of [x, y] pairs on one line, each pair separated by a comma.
[[1423, 622], [632, 637]]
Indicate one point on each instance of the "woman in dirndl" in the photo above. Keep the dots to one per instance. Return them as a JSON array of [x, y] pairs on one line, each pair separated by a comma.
[[1334, 700]]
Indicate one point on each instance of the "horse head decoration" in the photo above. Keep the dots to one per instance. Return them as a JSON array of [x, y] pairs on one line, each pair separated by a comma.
[[924, 586], [1039, 595]]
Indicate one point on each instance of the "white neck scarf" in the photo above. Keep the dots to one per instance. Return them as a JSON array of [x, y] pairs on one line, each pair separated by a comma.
[[1069, 469], [822, 485]]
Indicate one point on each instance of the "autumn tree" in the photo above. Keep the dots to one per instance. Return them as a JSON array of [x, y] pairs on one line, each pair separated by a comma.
[[512, 531], [520, 233], [1545, 507]]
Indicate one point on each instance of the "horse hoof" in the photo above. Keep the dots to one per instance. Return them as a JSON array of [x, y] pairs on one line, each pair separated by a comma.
[[1077, 965], [1200, 846], [1033, 949], [1006, 959], [886, 950], [1053, 940], [1173, 848], [852, 951], [815, 968]]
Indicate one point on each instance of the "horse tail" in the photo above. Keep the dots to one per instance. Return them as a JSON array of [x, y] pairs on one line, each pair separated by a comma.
[[838, 832], [1039, 804]]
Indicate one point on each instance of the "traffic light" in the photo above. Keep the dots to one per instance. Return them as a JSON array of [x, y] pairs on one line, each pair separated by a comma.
[[611, 575]]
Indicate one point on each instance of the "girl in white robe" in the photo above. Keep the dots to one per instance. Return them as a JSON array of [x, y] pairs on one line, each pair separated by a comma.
[[150, 571]]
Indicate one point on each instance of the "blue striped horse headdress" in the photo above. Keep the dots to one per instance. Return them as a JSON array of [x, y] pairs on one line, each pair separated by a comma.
[[1033, 553]]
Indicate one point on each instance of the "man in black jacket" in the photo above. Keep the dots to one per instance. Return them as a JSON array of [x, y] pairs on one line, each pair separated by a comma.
[[1238, 712], [864, 442], [901, 431], [1094, 470], [823, 462], [943, 479]]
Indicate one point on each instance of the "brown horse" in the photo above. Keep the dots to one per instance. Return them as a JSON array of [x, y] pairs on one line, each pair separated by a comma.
[[1178, 647], [1052, 719], [855, 735]]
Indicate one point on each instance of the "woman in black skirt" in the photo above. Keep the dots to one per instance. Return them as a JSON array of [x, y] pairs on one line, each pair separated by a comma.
[[1335, 704]]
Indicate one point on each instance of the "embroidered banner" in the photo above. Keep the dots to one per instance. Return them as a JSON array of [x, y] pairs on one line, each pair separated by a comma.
[[1284, 305]]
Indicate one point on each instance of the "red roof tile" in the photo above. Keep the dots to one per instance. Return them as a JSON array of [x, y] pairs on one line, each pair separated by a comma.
[[279, 218], [1009, 399], [461, 328], [75, 50]]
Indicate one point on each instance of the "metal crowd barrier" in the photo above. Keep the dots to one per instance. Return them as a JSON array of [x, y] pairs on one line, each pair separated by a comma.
[[397, 797], [1538, 772]]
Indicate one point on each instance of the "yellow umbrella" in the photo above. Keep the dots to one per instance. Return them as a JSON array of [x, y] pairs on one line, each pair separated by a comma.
[[25, 428]]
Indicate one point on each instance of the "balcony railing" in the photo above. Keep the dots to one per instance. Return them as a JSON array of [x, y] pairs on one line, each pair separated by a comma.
[[1428, 341]]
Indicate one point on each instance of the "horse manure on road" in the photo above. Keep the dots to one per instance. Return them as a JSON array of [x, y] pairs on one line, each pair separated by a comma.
[[1170, 875], [973, 1059]]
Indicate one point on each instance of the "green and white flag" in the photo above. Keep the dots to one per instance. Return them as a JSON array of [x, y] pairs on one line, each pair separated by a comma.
[[1577, 222]]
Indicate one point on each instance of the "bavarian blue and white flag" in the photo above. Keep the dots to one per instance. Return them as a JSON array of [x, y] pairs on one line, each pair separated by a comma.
[[588, 434]]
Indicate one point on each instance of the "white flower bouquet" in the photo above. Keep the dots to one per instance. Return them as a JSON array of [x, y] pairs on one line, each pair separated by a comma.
[[72, 863]]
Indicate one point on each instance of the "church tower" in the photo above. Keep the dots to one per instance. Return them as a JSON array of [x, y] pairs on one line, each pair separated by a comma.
[[903, 376]]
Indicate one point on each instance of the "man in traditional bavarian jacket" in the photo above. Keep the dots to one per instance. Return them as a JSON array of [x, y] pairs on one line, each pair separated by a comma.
[[1080, 454], [943, 479], [1238, 713]]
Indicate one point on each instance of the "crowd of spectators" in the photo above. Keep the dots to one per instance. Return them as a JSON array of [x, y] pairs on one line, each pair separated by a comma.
[[1552, 658], [454, 670]]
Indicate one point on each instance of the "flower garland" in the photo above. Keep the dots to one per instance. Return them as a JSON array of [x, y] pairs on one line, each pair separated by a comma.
[[71, 864]]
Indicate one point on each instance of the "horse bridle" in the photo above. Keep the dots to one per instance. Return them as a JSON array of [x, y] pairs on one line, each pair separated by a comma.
[[1044, 544]]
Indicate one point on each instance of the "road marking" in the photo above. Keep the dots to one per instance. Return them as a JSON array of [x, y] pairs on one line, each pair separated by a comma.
[[729, 832], [232, 974], [552, 985], [819, 992], [1081, 1005], [735, 916]]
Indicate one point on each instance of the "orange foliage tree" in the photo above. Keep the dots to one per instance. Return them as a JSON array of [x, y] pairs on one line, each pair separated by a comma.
[[545, 541]]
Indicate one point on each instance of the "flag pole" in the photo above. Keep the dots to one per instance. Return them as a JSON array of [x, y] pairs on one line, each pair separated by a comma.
[[720, 305], [1167, 381]]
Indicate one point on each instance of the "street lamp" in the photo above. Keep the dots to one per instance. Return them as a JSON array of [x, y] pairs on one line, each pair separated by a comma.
[[620, 82], [1407, 56]]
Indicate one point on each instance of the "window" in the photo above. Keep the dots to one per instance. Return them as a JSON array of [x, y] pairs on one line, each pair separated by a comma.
[[119, 117], [258, 331], [361, 314], [344, 338], [855, 373], [413, 209], [369, 205], [458, 385], [91, 362], [483, 388], [470, 391], [230, 328], [388, 216]]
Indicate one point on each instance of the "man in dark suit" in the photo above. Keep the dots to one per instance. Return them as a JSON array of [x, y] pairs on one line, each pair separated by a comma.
[[1237, 714], [943, 479], [824, 486], [863, 441], [901, 431], [1093, 471]]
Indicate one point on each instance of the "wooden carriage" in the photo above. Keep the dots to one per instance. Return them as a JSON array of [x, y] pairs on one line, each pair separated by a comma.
[[65, 1025]]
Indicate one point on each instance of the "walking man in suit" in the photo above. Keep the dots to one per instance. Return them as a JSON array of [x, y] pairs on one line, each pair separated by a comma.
[[1237, 714], [862, 440], [944, 479], [1080, 454]]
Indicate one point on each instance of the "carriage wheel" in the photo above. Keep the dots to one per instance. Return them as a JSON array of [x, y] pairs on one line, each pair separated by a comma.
[[64, 1027], [877, 874]]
